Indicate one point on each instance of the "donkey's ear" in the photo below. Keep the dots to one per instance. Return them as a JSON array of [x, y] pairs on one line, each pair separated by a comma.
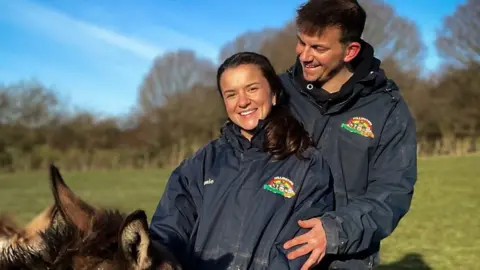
[[134, 240], [136, 246], [73, 209]]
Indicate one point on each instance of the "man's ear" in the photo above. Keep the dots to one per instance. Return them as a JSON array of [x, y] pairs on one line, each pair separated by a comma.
[[134, 240], [72, 209], [351, 51]]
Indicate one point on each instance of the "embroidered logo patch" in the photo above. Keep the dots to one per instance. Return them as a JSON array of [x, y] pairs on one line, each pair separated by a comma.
[[359, 125], [280, 185]]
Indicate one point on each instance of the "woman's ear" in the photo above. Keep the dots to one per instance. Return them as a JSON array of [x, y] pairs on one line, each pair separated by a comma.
[[274, 99]]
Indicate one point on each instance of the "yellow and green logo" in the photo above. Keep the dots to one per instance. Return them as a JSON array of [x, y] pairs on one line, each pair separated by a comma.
[[359, 125], [280, 185]]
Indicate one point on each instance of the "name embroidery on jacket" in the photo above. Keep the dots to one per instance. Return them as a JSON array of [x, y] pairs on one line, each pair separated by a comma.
[[208, 182]]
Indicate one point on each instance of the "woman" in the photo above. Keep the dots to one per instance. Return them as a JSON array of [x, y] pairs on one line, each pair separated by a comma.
[[238, 199]]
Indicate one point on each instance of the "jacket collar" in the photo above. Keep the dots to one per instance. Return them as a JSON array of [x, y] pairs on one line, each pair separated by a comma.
[[367, 78], [232, 134]]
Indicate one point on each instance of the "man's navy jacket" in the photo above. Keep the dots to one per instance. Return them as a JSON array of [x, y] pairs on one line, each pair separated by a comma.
[[368, 137]]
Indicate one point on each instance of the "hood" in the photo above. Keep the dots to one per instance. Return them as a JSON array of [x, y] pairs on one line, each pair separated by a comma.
[[367, 78]]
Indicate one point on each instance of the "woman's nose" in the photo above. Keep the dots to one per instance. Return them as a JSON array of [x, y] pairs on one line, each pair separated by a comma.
[[243, 100]]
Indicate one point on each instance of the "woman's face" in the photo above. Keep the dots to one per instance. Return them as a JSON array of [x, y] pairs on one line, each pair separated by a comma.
[[247, 96]]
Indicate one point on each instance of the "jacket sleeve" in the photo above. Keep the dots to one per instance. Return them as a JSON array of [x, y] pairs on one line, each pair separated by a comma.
[[315, 198], [366, 220], [176, 213]]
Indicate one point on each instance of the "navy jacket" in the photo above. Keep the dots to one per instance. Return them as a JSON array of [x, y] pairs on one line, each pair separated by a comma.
[[367, 134], [231, 205]]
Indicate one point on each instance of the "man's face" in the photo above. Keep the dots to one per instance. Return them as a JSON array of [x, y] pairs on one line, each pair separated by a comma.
[[322, 56]]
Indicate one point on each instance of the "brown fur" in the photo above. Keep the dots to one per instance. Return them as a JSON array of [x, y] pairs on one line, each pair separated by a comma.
[[39, 224], [8, 227], [75, 235], [12, 235]]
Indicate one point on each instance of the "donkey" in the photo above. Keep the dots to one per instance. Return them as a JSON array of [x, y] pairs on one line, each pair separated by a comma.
[[73, 234]]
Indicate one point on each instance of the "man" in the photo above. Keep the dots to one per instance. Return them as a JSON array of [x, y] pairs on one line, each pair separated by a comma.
[[357, 116]]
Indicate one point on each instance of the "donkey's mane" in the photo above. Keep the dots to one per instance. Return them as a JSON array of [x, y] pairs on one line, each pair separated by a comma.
[[64, 241], [101, 240], [15, 256], [21, 257]]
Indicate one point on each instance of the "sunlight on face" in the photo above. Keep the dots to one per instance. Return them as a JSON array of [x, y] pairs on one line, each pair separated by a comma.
[[247, 96], [321, 55]]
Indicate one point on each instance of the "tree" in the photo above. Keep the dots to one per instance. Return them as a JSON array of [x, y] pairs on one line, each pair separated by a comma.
[[392, 36], [27, 103], [172, 73], [280, 48], [457, 97], [459, 39], [249, 41]]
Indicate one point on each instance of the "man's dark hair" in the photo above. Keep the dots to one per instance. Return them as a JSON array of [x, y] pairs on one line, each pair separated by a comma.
[[315, 16], [284, 134]]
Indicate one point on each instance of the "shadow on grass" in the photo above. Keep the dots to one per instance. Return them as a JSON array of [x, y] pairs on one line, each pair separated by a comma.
[[409, 261]]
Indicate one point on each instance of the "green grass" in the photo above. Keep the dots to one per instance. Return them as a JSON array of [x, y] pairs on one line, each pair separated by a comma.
[[26, 194], [443, 225], [441, 231]]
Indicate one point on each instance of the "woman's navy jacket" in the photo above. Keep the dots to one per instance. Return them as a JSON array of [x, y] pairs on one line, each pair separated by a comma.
[[231, 206]]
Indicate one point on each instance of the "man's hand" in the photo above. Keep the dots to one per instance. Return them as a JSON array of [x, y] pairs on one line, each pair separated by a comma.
[[315, 241]]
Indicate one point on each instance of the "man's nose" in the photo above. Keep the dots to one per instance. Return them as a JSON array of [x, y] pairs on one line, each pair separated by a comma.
[[306, 55]]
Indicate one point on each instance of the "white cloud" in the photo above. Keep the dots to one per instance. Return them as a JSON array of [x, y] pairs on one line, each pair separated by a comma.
[[65, 28], [97, 66]]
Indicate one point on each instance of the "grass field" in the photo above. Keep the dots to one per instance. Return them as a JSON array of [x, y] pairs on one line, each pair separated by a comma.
[[442, 230]]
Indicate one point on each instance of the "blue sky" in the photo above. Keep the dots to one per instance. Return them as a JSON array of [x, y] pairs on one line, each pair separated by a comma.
[[96, 53]]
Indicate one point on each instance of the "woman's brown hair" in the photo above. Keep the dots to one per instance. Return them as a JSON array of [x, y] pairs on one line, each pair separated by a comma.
[[284, 134]]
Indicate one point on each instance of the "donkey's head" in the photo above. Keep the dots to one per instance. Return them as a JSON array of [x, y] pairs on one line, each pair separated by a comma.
[[80, 236]]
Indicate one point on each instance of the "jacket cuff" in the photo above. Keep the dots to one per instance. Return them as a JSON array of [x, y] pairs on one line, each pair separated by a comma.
[[332, 233]]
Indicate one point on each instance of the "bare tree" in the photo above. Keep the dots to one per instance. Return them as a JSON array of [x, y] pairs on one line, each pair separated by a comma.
[[459, 38], [172, 73], [280, 49], [27, 103], [392, 36], [249, 41]]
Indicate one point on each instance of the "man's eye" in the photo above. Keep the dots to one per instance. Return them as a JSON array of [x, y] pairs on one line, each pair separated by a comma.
[[319, 49]]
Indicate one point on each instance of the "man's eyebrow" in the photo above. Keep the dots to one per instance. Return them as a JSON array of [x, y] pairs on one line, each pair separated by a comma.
[[298, 37], [314, 45]]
